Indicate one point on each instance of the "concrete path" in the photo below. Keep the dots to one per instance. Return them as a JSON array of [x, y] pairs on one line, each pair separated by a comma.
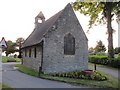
[[16, 79], [108, 70]]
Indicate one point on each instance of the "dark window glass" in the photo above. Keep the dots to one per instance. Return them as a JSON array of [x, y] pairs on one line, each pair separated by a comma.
[[69, 45], [29, 52], [35, 53]]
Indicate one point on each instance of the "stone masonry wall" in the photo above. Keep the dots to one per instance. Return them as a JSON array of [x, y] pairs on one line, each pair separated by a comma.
[[54, 59], [33, 62]]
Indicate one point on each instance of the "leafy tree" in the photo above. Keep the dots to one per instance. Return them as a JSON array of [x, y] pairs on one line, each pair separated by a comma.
[[10, 48], [19, 42], [117, 50], [91, 50], [100, 13], [100, 47]]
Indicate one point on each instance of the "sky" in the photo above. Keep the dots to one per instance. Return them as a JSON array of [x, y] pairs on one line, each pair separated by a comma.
[[17, 19]]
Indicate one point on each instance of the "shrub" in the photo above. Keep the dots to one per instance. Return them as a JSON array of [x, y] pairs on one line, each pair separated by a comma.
[[98, 59], [101, 54], [113, 62], [10, 59], [98, 76], [80, 75], [118, 55]]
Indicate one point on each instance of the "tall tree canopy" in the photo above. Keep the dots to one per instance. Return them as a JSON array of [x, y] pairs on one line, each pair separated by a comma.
[[100, 47], [19, 42], [100, 13]]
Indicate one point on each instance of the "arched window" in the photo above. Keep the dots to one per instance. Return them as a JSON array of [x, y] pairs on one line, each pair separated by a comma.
[[69, 44]]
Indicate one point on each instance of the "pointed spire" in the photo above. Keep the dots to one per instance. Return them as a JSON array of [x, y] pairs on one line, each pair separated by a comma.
[[41, 17]]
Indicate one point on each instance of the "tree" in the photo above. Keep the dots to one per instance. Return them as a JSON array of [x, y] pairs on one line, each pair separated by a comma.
[[19, 42], [100, 47], [100, 12], [117, 50], [91, 50], [10, 48]]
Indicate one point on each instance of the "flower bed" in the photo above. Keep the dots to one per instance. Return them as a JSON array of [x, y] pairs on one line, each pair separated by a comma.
[[86, 74]]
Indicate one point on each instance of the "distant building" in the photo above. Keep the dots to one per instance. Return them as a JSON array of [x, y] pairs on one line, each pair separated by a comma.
[[58, 44]]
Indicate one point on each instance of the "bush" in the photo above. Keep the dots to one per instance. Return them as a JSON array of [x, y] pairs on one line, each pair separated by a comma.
[[113, 62], [101, 54], [118, 55], [98, 76], [98, 59], [80, 75], [10, 59]]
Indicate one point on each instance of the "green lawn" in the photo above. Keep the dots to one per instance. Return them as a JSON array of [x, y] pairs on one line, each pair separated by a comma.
[[111, 82], [5, 87], [6, 59]]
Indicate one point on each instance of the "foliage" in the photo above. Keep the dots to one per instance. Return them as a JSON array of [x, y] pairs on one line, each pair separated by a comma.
[[117, 50], [98, 76], [6, 87], [10, 59], [80, 75], [10, 49], [110, 82], [114, 62], [101, 54], [100, 47], [91, 51], [104, 60], [98, 59], [19, 42], [100, 13], [118, 55]]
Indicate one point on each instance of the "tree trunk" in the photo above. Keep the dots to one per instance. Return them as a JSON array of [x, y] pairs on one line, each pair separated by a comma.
[[110, 34]]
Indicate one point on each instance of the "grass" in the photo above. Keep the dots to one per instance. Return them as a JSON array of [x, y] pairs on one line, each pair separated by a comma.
[[110, 83], [26, 70], [6, 59], [5, 87]]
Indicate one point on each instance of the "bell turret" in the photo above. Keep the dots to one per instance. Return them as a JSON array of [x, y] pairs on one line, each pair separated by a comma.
[[39, 18]]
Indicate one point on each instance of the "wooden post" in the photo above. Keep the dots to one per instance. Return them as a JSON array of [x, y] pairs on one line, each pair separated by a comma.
[[94, 66], [39, 71]]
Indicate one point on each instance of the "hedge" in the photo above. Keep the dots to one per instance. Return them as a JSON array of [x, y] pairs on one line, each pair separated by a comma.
[[10, 59], [103, 60]]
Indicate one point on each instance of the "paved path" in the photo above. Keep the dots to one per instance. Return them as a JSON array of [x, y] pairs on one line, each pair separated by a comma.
[[16, 79], [108, 70]]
